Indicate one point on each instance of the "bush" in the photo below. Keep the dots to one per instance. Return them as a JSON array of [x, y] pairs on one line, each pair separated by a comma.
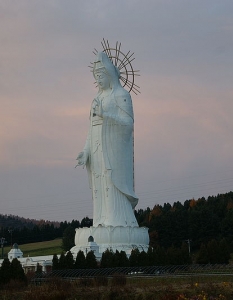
[[87, 282], [15, 285], [101, 281], [119, 279]]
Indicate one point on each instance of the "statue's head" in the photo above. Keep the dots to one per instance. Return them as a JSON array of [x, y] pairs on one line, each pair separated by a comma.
[[103, 68], [103, 79]]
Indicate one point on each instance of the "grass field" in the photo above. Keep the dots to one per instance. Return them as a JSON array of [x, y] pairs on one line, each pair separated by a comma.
[[39, 249], [119, 287]]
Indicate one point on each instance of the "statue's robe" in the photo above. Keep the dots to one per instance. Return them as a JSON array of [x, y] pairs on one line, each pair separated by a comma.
[[117, 151]]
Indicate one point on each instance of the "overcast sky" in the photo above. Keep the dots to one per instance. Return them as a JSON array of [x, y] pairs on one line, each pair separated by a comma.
[[183, 116]]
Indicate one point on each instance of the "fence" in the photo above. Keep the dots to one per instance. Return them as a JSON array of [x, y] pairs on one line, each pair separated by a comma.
[[151, 271]]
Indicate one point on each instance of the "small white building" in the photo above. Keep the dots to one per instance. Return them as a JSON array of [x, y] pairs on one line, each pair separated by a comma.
[[90, 246], [30, 264], [15, 252]]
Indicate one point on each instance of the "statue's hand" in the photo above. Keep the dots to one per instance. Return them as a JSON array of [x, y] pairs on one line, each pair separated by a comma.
[[98, 109], [82, 159]]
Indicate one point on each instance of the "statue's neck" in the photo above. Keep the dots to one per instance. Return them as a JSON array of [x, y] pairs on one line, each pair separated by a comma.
[[106, 92]]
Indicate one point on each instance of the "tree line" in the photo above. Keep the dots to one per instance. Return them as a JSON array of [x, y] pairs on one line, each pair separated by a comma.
[[23, 231], [213, 253], [12, 271], [154, 256], [198, 221]]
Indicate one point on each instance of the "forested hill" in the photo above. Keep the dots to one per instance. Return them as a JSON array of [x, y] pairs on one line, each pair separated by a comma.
[[19, 230], [198, 221], [12, 221]]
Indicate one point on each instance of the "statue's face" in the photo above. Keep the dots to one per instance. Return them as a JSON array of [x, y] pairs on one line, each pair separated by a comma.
[[102, 80]]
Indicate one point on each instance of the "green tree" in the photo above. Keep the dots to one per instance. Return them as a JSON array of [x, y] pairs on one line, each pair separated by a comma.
[[227, 226], [91, 261], [5, 271], [134, 258], [213, 252], [80, 262], [55, 262], [174, 256], [202, 257], [107, 259], [68, 238], [17, 272], [153, 234], [62, 261], [160, 257], [38, 269], [143, 259], [69, 260], [116, 259], [124, 261], [224, 252], [86, 222]]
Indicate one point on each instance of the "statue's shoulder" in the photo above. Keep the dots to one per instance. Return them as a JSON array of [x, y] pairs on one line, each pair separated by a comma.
[[122, 96], [121, 92], [124, 101]]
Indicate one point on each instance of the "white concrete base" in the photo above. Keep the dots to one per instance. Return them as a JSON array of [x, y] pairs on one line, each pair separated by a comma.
[[109, 237]]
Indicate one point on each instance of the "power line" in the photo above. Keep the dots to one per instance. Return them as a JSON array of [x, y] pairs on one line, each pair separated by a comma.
[[81, 203]]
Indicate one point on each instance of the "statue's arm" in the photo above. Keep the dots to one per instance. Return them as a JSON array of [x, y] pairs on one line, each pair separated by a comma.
[[84, 155]]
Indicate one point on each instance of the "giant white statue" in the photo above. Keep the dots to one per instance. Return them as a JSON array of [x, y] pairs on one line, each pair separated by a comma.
[[109, 160], [108, 152]]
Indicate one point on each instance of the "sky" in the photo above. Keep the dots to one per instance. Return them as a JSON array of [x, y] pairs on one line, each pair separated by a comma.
[[183, 115]]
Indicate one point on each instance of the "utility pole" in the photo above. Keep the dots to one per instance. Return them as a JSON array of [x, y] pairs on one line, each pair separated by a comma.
[[2, 242], [189, 242], [10, 231]]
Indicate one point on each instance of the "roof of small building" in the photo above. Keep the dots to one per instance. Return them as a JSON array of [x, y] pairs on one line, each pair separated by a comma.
[[15, 246]]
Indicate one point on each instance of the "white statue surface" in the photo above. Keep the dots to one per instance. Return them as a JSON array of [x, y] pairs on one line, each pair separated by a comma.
[[109, 160], [108, 152]]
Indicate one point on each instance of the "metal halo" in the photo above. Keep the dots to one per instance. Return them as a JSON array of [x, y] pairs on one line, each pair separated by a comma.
[[123, 63]]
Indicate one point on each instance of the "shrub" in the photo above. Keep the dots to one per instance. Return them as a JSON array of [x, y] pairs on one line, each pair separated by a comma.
[[101, 281], [87, 282], [118, 279]]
